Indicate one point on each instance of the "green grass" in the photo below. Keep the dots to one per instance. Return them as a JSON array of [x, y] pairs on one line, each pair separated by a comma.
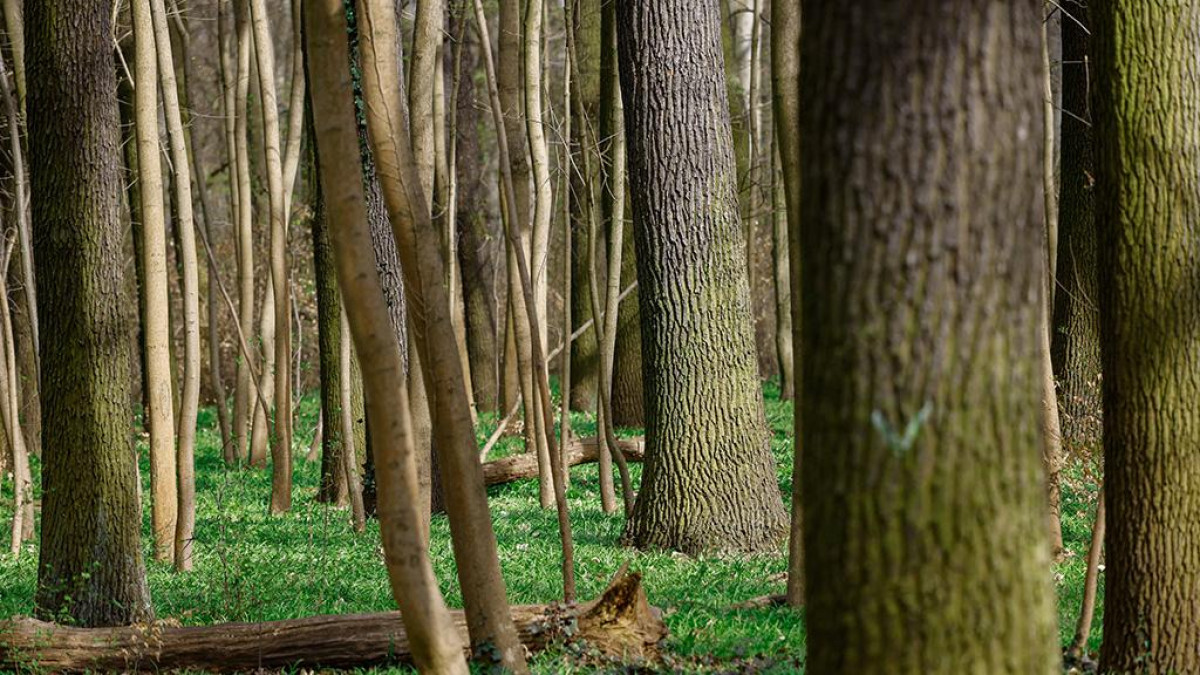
[[252, 567]]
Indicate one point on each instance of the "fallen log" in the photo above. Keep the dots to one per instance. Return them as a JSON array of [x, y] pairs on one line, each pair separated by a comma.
[[620, 623], [581, 451]]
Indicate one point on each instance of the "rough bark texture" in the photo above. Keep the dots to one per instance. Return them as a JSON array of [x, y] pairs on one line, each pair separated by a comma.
[[621, 624], [1146, 100], [90, 566], [709, 480], [1075, 344], [476, 250], [924, 499], [627, 403], [585, 353]]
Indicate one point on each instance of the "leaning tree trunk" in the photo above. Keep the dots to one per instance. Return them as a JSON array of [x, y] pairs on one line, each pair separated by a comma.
[[709, 480], [1147, 191], [90, 567], [923, 256], [1075, 342]]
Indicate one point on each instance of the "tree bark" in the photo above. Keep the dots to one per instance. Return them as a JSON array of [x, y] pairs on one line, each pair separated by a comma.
[[245, 389], [436, 645], [160, 414], [923, 267], [627, 399], [89, 568], [706, 434], [1075, 344], [1147, 163], [620, 624]]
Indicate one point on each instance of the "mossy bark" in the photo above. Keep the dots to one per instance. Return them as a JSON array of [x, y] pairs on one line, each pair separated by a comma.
[[1146, 100], [1075, 343], [924, 499], [90, 566], [709, 479]]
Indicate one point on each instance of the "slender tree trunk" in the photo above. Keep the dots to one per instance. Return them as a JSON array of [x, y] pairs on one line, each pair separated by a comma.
[[1147, 188], [627, 399], [349, 452], [156, 323], [923, 490], [22, 479], [281, 443], [416, 241], [784, 346], [700, 425], [89, 568], [185, 228], [245, 390], [14, 24], [1091, 583], [436, 647]]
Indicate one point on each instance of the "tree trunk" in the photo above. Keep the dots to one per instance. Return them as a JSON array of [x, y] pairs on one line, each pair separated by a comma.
[[436, 645], [1147, 163], [706, 435], [627, 401], [1075, 344], [160, 414], [619, 625], [245, 390], [473, 537], [476, 251], [1091, 583], [923, 258], [90, 568]]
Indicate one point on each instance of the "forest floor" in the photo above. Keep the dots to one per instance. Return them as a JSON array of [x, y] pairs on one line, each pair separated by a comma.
[[253, 567]]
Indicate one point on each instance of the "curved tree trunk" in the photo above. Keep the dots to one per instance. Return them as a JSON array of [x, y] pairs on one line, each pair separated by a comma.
[[1147, 191], [923, 269], [89, 568], [706, 436]]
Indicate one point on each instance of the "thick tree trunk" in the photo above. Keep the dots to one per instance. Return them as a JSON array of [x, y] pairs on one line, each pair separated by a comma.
[[90, 568], [706, 436], [1075, 343], [620, 624], [1147, 191], [923, 258]]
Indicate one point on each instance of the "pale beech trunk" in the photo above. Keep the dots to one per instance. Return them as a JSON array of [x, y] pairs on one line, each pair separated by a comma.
[[281, 443], [22, 479], [785, 74], [416, 241], [14, 23], [435, 644], [246, 389], [260, 431], [185, 225], [349, 453], [160, 415]]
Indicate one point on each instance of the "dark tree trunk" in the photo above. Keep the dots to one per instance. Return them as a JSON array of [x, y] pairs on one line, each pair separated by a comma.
[[585, 107], [922, 235], [477, 232], [709, 479], [1075, 343], [90, 566], [1147, 194], [627, 402]]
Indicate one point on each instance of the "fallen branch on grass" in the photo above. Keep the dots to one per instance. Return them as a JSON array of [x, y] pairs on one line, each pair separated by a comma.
[[620, 623], [582, 451]]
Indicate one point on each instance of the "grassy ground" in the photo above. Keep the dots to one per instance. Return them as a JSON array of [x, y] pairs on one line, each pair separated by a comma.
[[251, 567]]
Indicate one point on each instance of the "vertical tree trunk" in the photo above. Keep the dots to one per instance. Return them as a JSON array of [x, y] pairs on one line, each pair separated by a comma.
[[1147, 189], [706, 436], [627, 401], [186, 253], [784, 346], [156, 322], [244, 392], [1075, 344], [89, 568], [923, 257]]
